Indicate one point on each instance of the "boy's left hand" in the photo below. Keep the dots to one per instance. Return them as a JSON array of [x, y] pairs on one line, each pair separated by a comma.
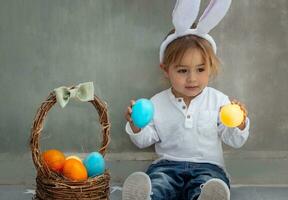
[[245, 112]]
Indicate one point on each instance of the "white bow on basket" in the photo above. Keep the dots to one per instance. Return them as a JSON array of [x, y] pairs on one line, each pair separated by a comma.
[[82, 92], [184, 15]]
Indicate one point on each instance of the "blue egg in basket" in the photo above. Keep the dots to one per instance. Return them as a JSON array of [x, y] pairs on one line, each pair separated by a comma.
[[142, 112], [95, 164]]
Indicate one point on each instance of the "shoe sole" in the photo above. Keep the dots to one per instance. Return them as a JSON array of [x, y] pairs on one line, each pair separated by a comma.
[[215, 189], [137, 187]]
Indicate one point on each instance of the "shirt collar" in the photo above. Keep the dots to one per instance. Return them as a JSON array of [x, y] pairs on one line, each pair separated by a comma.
[[176, 99]]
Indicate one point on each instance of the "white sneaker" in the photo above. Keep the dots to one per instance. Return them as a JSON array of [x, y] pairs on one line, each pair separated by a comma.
[[137, 187], [214, 189]]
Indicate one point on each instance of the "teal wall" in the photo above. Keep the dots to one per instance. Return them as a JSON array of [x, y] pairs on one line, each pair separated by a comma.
[[45, 44]]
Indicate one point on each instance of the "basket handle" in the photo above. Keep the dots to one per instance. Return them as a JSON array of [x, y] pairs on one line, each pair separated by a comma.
[[38, 123]]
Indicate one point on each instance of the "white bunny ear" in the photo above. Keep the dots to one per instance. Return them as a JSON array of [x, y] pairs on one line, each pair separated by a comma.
[[212, 15], [184, 14]]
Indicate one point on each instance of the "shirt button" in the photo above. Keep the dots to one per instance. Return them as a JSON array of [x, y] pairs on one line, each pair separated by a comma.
[[183, 107], [179, 100], [188, 116]]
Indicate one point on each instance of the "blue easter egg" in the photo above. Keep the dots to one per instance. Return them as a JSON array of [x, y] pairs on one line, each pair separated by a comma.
[[142, 112], [94, 164]]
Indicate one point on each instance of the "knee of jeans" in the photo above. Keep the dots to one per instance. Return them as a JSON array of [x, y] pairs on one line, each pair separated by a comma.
[[161, 186], [205, 178], [160, 178]]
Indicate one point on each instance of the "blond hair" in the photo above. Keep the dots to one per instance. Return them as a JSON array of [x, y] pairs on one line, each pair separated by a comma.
[[175, 51]]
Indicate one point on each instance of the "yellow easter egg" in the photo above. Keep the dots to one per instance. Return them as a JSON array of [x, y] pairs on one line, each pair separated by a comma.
[[231, 115], [74, 157]]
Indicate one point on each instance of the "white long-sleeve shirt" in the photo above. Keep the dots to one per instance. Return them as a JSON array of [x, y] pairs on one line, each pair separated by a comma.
[[193, 133]]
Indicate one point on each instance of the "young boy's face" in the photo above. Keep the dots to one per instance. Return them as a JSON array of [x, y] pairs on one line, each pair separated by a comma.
[[190, 76]]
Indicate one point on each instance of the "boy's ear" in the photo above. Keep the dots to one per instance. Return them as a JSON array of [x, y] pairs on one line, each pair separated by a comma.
[[164, 69]]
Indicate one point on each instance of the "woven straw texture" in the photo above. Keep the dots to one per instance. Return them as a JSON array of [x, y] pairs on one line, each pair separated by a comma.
[[50, 185]]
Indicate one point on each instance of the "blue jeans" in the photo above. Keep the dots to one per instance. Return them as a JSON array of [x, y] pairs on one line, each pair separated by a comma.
[[175, 180]]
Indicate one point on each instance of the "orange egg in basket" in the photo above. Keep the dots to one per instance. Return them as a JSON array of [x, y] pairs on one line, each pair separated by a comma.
[[74, 170], [54, 159]]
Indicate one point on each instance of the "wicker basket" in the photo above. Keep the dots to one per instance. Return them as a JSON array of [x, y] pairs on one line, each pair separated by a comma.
[[50, 185]]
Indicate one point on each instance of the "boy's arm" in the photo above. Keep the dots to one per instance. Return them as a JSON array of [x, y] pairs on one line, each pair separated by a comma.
[[145, 138], [234, 137]]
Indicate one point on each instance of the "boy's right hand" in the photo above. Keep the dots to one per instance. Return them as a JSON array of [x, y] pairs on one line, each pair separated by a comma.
[[129, 119]]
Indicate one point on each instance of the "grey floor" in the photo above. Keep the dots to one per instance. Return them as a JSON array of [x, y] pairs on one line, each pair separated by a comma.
[[18, 192], [244, 169]]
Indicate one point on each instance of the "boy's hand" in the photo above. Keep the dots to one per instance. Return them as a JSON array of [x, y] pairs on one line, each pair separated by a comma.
[[245, 112], [129, 119]]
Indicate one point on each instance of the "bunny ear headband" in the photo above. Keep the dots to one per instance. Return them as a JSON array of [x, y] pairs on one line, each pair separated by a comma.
[[185, 14]]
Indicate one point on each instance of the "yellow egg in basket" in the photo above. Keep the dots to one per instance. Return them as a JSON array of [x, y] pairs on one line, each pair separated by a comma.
[[74, 157]]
